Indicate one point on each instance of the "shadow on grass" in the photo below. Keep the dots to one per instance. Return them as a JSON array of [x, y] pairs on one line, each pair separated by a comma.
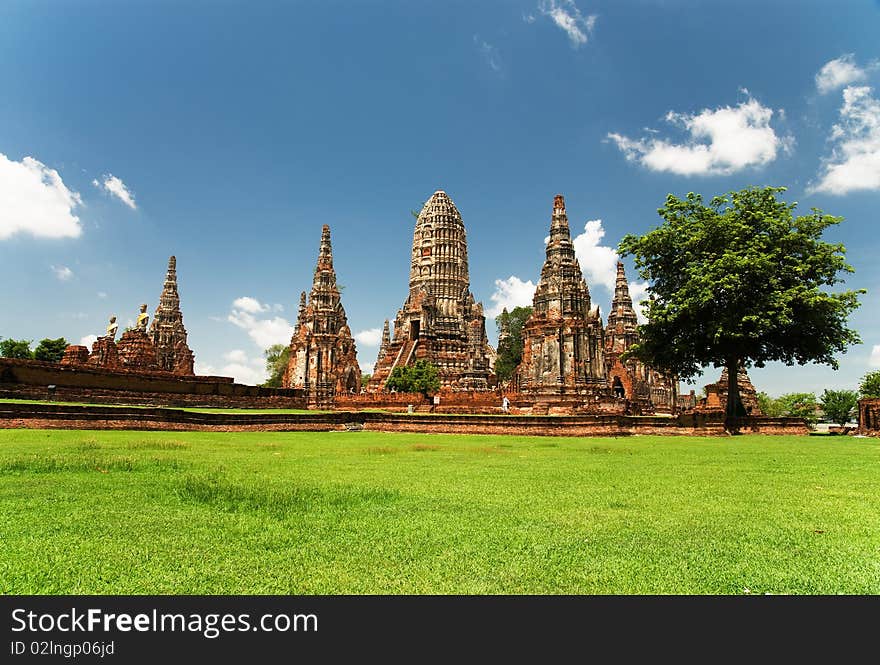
[[219, 492]]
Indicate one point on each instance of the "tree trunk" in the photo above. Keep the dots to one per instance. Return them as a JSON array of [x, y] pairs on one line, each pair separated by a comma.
[[731, 414]]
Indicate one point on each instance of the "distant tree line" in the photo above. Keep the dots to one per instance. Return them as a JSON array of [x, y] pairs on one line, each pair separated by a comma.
[[48, 350], [838, 406]]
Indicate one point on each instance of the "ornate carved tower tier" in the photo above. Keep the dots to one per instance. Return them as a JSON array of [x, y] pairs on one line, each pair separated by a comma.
[[563, 345], [323, 357], [440, 320], [167, 332]]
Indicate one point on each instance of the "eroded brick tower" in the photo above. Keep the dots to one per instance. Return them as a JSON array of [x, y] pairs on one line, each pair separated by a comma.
[[647, 389], [323, 356], [167, 332], [440, 320], [563, 344]]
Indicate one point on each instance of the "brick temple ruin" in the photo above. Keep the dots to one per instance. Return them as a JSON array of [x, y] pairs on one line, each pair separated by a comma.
[[440, 321], [323, 356], [571, 362], [869, 416], [563, 339], [163, 349], [569, 357], [167, 332], [648, 390]]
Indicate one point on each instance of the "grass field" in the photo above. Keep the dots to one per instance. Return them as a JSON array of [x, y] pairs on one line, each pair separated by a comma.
[[362, 512]]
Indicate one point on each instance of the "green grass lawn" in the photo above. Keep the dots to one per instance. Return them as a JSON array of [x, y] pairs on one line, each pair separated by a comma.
[[361, 512]]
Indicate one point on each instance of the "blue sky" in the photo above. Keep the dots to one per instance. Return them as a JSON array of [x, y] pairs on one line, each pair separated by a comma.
[[228, 133]]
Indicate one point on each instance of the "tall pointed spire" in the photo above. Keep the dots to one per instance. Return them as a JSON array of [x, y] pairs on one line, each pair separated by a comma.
[[301, 313], [325, 253], [386, 336], [167, 331], [323, 357], [622, 314], [325, 293], [504, 327], [621, 331], [562, 288]]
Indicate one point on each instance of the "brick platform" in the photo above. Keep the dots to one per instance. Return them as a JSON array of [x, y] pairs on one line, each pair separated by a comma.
[[51, 416]]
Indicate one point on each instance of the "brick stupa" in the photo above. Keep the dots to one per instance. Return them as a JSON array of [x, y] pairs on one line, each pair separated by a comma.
[[648, 390], [440, 321], [563, 343], [323, 356], [167, 332]]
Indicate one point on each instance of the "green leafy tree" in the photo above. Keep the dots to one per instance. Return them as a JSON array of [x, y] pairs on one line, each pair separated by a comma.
[[50, 350], [798, 405], [839, 405], [277, 357], [768, 405], [365, 379], [420, 377], [16, 348], [740, 281], [870, 385], [510, 348]]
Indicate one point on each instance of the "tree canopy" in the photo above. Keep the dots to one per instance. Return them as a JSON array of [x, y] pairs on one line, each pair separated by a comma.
[[870, 385], [839, 405], [510, 348], [50, 350], [798, 405], [16, 348], [277, 357], [740, 281], [420, 377]]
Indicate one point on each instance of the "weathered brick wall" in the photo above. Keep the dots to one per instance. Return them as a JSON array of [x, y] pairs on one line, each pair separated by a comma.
[[869, 417], [30, 379], [17, 415]]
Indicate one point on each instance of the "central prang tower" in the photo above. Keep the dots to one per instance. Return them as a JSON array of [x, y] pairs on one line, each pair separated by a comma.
[[440, 321]]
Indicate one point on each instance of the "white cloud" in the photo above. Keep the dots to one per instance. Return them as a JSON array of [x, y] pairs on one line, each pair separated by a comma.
[[250, 305], [528, 18], [638, 291], [102, 294], [236, 356], [88, 340], [568, 17], [511, 292], [115, 187], [874, 360], [370, 337], [598, 262], [241, 367], [838, 73], [63, 273], [366, 368], [490, 54], [34, 199], [264, 332], [722, 141], [854, 163]]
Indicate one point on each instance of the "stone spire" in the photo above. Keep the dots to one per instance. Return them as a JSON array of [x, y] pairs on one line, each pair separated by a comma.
[[440, 321], [300, 317], [386, 344], [504, 328], [386, 337], [563, 341], [439, 263], [323, 358], [562, 288], [167, 331], [325, 293], [622, 329]]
